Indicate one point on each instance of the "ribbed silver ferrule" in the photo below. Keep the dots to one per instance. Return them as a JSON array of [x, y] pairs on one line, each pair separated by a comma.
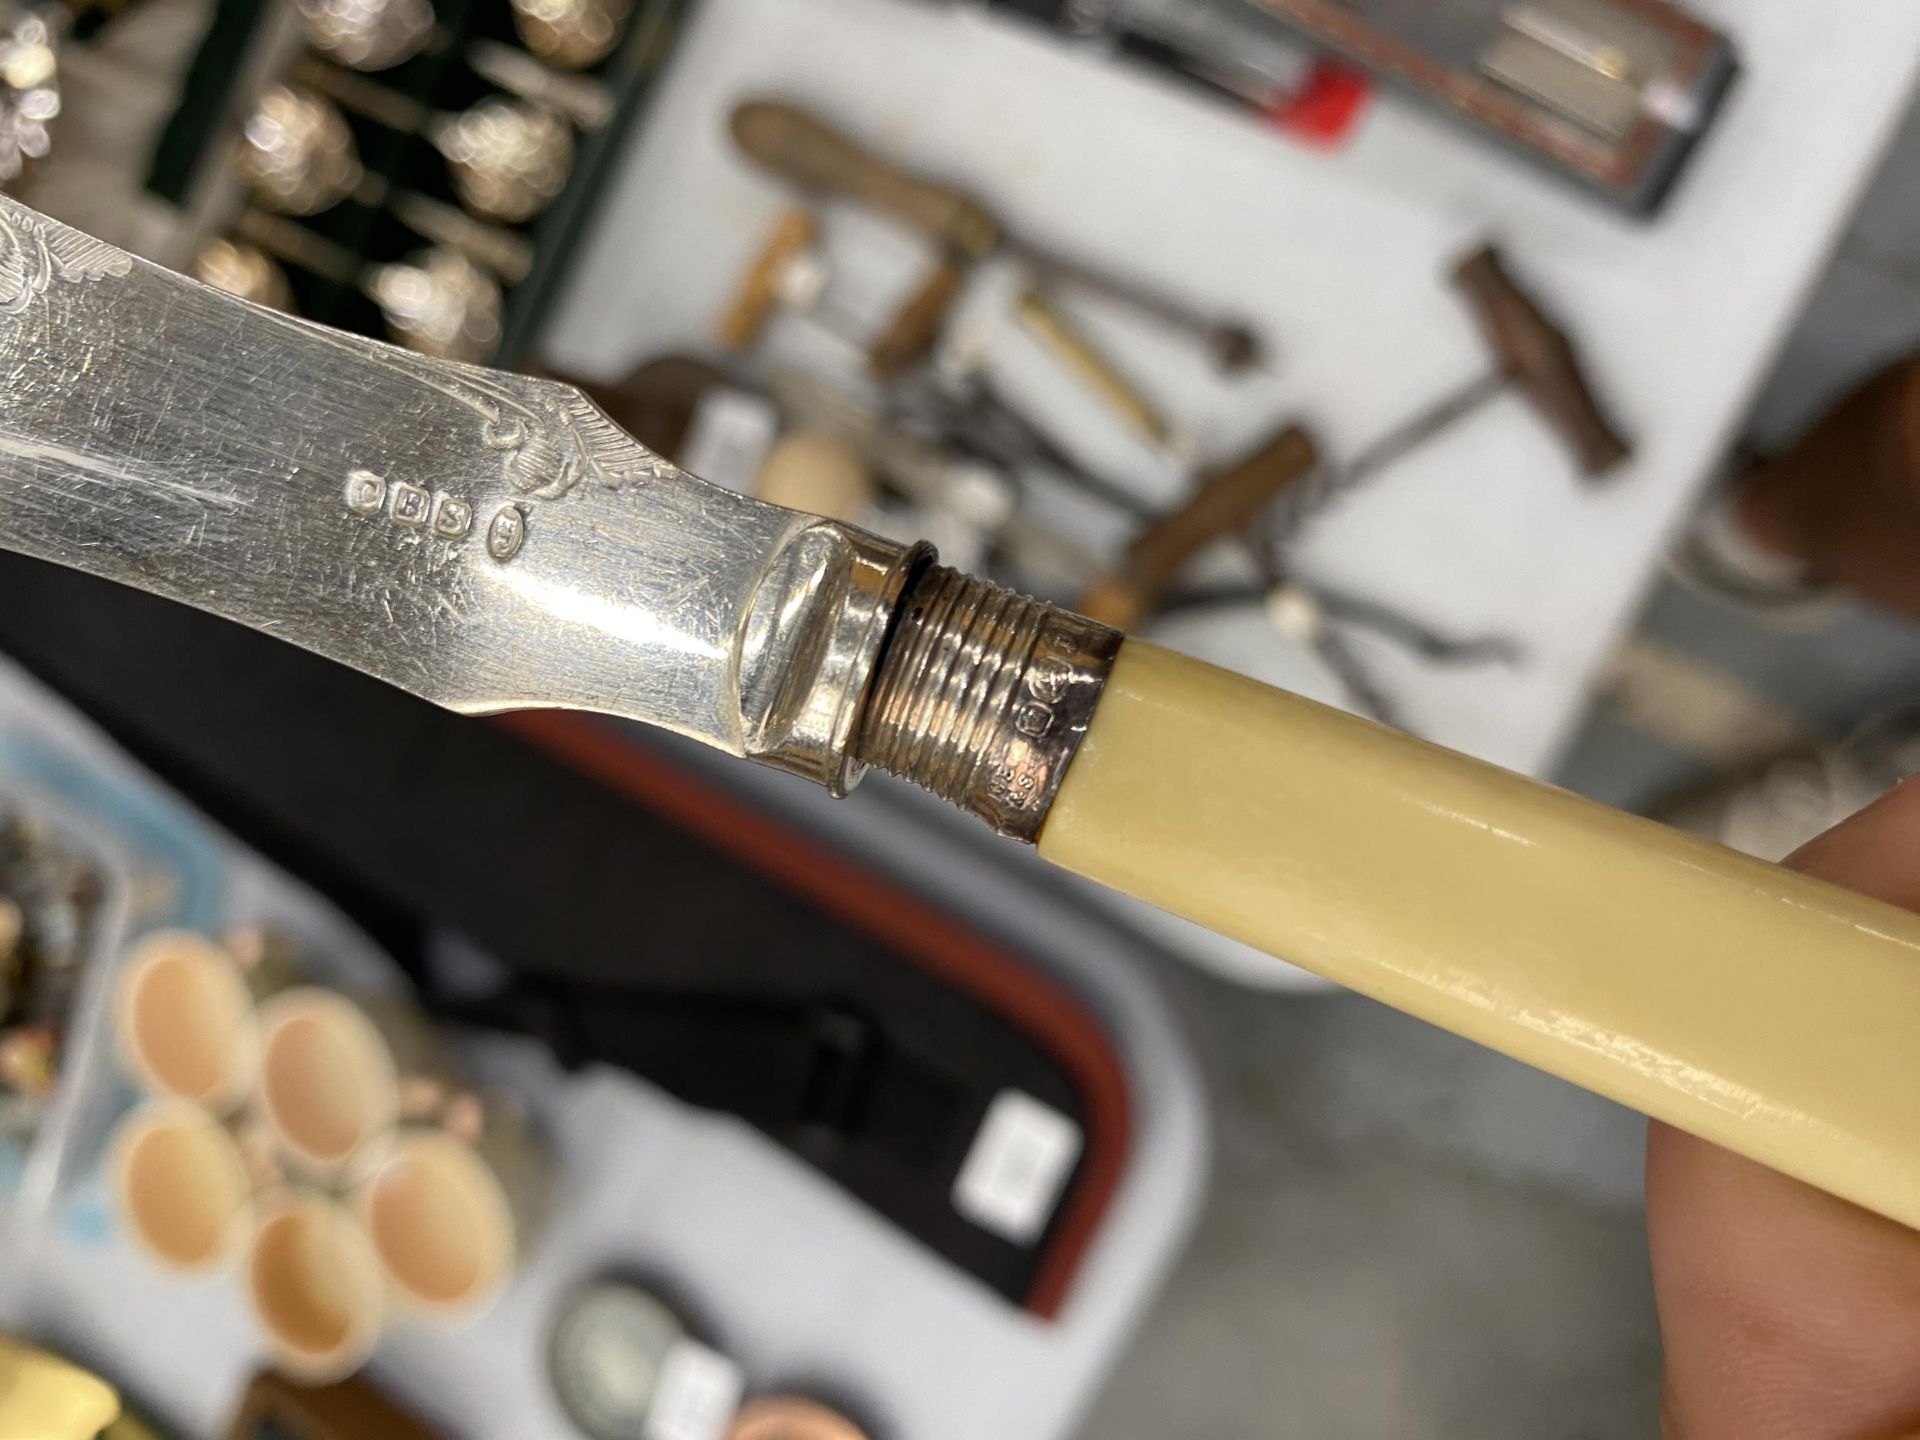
[[983, 697]]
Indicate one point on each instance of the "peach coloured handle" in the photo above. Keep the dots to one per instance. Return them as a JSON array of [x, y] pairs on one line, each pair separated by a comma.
[[1770, 1013]]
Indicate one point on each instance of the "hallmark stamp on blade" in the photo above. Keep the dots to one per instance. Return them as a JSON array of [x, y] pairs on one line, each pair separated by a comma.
[[410, 504], [410, 507], [452, 518], [366, 493], [507, 532]]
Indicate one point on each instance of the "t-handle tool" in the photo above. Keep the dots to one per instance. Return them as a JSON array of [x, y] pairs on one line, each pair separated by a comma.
[[1539, 359], [797, 146], [1535, 356]]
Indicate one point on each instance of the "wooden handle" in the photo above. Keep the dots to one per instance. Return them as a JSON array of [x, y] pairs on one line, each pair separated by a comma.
[[757, 296], [1768, 1012], [1845, 501], [913, 331], [1224, 503], [274, 1405], [1090, 365], [1541, 361], [803, 151]]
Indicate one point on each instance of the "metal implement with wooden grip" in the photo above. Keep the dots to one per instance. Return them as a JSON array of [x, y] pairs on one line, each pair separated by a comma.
[[914, 330], [1539, 360], [799, 149], [1532, 355], [1220, 505], [492, 542], [788, 269], [803, 150], [1088, 364]]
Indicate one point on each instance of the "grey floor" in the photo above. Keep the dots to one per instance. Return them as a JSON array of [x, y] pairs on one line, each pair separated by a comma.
[[1408, 1237]]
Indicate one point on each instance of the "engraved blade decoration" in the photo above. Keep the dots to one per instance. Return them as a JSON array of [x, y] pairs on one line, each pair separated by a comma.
[[484, 540]]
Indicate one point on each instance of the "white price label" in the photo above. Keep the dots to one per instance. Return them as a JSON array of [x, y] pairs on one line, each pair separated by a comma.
[[727, 443], [1018, 1166], [698, 1395]]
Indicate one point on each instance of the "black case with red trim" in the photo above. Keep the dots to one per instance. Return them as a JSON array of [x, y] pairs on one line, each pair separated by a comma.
[[647, 920]]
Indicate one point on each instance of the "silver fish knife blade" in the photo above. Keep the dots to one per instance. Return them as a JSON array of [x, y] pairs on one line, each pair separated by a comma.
[[484, 540]]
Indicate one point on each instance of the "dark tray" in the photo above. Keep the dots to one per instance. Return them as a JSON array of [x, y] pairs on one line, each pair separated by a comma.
[[199, 134], [648, 919]]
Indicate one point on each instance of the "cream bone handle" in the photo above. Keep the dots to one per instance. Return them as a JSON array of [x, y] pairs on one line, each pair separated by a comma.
[[1770, 1013]]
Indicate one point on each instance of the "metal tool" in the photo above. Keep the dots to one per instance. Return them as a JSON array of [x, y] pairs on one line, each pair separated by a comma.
[[1219, 506], [369, 34], [297, 156], [1227, 47], [1613, 94], [1223, 505], [1535, 357], [437, 302], [798, 147], [586, 102], [492, 542], [30, 39], [791, 272], [966, 498], [964, 410], [973, 418], [244, 270], [506, 158], [573, 34], [1229, 503], [1315, 617], [1090, 365]]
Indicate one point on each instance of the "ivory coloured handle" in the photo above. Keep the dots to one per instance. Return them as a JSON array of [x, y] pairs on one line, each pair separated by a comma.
[[1768, 1012]]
